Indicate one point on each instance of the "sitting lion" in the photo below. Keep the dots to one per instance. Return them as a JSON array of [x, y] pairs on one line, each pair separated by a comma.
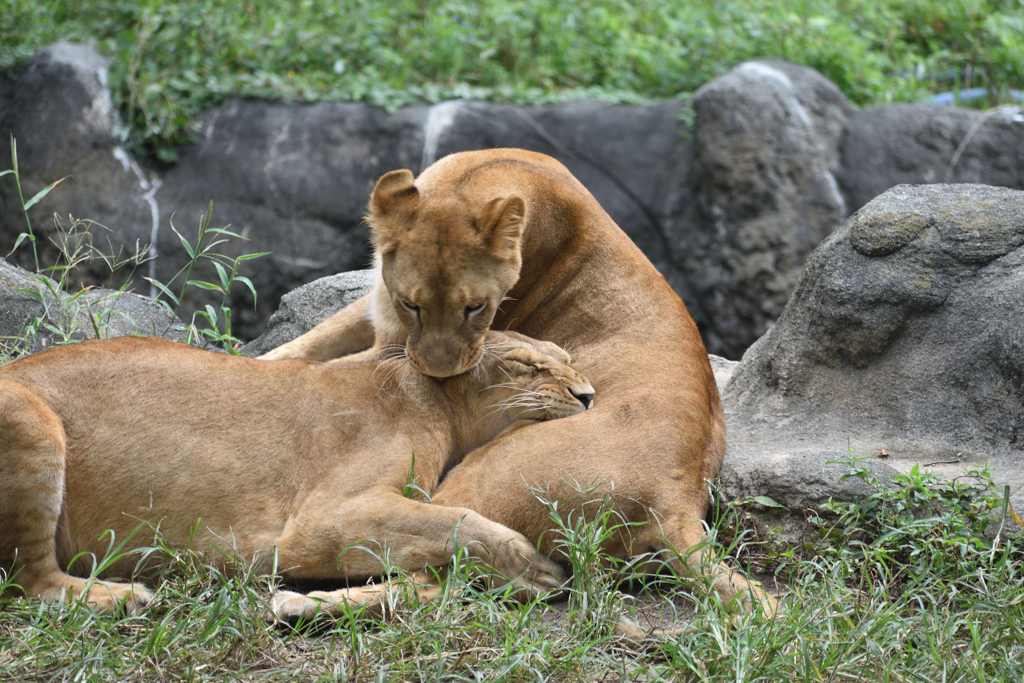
[[510, 239], [302, 457]]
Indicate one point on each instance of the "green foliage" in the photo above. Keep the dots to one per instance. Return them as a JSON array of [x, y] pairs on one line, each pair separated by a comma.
[[172, 59], [216, 321], [596, 600], [929, 537]]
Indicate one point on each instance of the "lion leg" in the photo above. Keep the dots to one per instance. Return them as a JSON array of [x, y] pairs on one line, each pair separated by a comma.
[[32, 474], [347, 331], [377, 598], [685, 540], [382, 530]]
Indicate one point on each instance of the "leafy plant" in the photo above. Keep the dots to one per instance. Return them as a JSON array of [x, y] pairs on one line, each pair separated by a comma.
[[925, 536], [25, 206], [172, 60], [217, 325], [596, 599]]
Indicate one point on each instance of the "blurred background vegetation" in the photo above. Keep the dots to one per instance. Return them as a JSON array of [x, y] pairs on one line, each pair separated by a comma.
[[173, 59]]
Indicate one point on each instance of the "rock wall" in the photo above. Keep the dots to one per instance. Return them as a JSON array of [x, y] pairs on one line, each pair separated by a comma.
[[60, 112], [727, 209]]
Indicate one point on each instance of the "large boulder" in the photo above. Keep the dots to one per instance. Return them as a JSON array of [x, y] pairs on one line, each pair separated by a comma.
[[306, 307], [767, 147], [903, 339], [913, 144], [60, 112], [23, 299], [636, 160]]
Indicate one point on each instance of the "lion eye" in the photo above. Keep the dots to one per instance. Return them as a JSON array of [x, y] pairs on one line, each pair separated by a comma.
[[410, 307], [470, 310]]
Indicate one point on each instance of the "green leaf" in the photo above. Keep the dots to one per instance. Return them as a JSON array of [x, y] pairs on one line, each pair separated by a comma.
[[222, 274], [223, 231], [767, 502], [42, 193], [38, 295], [168, 155], [3, 173], [50, 285], [21, 238], [249, 257], [201, 284], [212, 244], [184, 242], [248, 283], [163, 289]]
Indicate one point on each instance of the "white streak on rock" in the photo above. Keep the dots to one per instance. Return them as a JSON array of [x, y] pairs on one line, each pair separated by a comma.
[[149, 188], [835, 192], [440, 117], [276, 157]]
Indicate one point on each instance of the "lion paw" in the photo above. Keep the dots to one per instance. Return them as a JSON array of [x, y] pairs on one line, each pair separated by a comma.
[[102, 596], [288, 607], [532, 574]]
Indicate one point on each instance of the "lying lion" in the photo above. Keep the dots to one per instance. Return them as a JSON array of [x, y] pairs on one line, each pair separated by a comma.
[[308, 458], [510, 239]]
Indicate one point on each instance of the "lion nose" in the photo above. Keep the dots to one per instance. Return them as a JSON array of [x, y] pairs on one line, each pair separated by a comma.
[[587, 399]]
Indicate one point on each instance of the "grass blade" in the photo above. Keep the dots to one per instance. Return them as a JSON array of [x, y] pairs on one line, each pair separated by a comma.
[[42, 193]]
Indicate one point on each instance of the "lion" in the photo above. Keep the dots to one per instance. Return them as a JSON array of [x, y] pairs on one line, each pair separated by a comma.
[[509, 239], [297, 461]]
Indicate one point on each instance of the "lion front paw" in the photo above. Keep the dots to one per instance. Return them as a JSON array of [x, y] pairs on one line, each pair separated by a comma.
[[530, 573]]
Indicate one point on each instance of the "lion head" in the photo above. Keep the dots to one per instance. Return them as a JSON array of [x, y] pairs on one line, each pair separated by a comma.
[[447, 268]]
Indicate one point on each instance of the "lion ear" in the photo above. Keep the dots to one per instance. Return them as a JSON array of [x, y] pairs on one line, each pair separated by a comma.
[[394, 198], [503, 221]]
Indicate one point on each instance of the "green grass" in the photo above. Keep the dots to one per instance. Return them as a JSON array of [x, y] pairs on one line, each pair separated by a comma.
[[172, 59], [903, 586]]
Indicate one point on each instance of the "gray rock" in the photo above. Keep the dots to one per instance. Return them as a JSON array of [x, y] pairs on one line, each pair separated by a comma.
[[33, 309], [112, 313], [767, 140], [295, 179], [912, 144], [309, 305], [723, 369], [23, 299], [903, 335], [60, 112]]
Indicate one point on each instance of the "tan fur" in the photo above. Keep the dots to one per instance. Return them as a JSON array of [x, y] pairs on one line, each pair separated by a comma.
[[658, 433], [306, 458]]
